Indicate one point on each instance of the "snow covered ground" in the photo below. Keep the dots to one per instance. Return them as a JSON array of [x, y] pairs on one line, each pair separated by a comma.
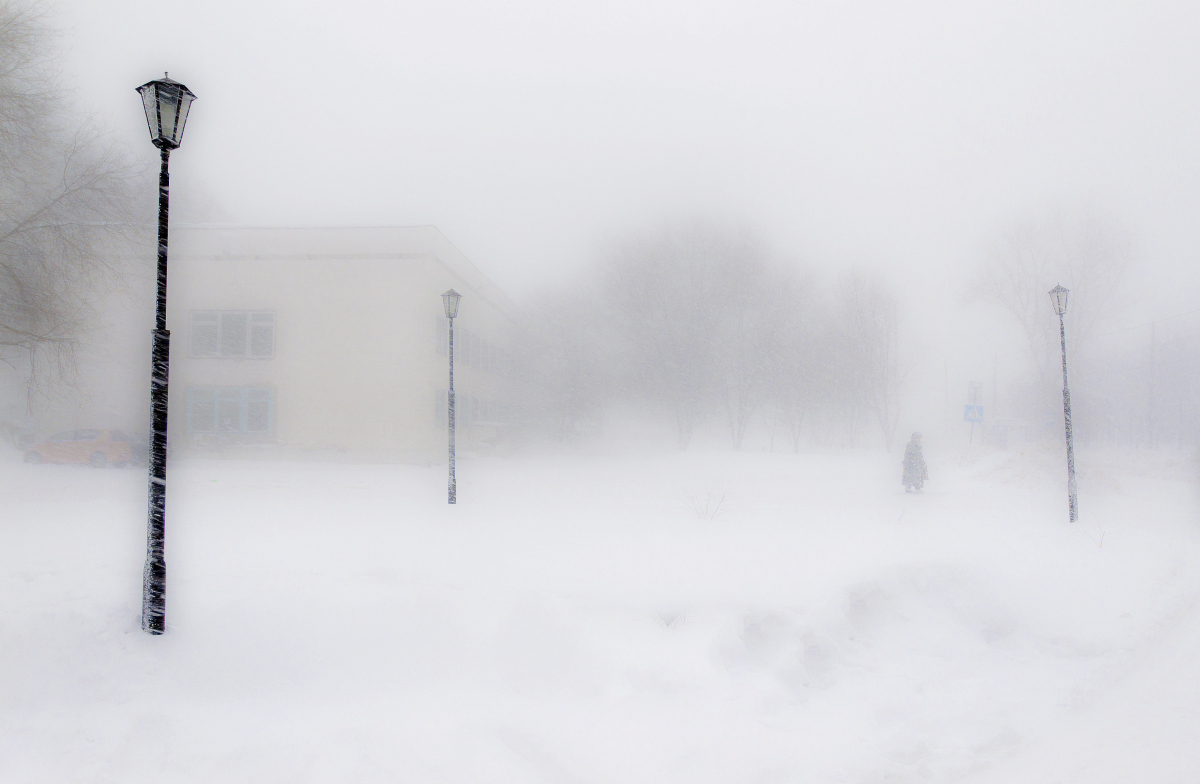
[[692, 618]]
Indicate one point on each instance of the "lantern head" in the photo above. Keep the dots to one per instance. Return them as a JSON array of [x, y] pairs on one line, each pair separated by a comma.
[[450, 300], [167, 103], [1058, 298]]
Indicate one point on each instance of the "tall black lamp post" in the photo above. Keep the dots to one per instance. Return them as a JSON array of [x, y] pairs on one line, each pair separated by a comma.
[[167, 103], [1058, 297], [450, 300]]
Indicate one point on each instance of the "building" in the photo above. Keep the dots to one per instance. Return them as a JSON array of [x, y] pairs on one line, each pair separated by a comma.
[[332, 341]]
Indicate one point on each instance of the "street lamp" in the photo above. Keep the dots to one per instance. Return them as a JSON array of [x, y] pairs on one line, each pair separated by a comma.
[[450, 301], [1058, 297], [167, 103]]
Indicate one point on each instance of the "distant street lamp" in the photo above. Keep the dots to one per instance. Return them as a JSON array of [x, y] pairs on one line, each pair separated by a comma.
[[450, 300], [167, 103], [1058, 297]]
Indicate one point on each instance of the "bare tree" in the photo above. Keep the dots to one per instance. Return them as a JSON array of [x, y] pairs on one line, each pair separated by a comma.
[[65, 202], [1083, 252], [747, 337], [798, 367], [680, 297], [700, 320], [868, 344], [754, 316], [567, 363]]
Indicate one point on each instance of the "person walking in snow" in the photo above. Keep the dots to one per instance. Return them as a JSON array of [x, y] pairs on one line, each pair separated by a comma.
[[915, 472]]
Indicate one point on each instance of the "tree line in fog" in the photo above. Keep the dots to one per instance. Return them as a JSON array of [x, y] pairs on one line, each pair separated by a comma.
[[696, 324]]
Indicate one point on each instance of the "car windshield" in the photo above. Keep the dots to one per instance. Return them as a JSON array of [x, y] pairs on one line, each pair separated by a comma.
[[87, 435], [118, 435], [66, 435]]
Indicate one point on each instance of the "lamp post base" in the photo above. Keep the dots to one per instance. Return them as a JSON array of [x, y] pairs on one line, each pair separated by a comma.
[[154, 576]]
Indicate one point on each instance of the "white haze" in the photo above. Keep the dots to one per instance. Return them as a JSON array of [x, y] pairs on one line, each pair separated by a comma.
[[899, 134], [898, 137], [909, 143]]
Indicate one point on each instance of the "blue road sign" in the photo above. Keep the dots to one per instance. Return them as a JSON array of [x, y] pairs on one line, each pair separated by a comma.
[[973, 414]]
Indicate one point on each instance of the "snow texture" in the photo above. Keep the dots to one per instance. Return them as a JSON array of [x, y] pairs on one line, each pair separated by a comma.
[[692, 617]]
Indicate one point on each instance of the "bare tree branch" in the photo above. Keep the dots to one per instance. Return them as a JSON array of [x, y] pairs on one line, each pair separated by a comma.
[[65, 203]]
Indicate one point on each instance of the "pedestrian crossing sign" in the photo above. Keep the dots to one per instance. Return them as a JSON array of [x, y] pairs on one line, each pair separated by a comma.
[[973, 414]]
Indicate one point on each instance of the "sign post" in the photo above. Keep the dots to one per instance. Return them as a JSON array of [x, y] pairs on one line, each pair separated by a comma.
[[974, 411]]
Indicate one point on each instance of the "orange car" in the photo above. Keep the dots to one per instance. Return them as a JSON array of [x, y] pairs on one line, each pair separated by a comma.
[[97, 448]]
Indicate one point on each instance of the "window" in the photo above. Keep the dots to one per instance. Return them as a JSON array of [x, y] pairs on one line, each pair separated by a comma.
[[463, 347], [441, 406], [441, 334], [470, 349], [469, 409], [230, 411], [205, 340], [262, 334], [233, 333]]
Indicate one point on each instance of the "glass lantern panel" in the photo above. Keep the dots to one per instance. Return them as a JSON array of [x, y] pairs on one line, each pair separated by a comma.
[[168, 110], [151, 106], [1058, 298], [185, 104]]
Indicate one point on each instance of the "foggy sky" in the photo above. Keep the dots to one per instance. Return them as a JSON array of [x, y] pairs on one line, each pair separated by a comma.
[[902, 137]]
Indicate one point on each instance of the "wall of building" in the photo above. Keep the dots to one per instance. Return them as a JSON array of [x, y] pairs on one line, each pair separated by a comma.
[[357, 363]]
